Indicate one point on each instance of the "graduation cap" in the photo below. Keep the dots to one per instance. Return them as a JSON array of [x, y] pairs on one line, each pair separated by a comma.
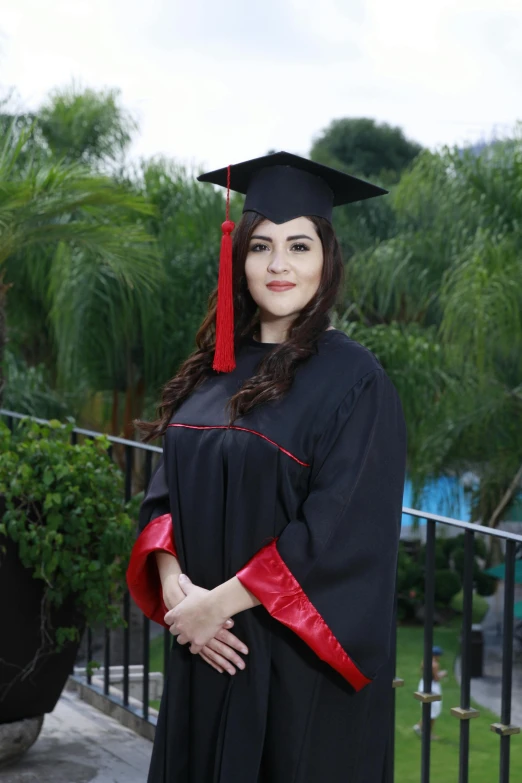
[[281, 187]]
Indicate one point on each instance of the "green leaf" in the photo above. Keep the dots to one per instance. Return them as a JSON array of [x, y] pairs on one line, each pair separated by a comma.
[[64, 510], [48, 477]]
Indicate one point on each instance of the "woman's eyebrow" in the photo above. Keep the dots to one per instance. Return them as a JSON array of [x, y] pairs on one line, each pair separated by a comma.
[[288, 239]]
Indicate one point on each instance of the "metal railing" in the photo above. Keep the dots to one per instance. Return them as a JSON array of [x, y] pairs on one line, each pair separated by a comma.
[[463, 712]]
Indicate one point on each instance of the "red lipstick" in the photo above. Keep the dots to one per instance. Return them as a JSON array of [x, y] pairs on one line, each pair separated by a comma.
[[280, 285]]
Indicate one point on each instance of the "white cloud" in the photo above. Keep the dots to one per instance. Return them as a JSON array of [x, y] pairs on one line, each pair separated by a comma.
[[214, 83]]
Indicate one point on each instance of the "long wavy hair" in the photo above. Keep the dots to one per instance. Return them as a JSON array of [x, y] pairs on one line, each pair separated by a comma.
[[275, 373]]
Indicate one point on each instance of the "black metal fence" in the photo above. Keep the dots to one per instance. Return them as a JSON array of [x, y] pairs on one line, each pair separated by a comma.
[[463, 712]]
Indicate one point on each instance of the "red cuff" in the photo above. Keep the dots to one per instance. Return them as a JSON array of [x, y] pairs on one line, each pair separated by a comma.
[[143, 578], [268, 577]]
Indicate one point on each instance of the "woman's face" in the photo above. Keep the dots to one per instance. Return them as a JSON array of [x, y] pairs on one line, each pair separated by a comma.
[[283, 267]]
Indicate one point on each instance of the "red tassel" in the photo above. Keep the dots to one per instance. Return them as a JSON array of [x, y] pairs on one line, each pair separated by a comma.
[[224, 359]]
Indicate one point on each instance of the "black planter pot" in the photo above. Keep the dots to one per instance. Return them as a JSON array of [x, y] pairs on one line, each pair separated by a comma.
[[37, 692]]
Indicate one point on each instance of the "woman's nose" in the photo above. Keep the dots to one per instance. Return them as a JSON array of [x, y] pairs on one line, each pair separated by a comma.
[[278, 262]]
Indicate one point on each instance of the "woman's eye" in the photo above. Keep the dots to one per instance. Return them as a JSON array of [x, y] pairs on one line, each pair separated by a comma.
[[258, 248], [300, 247]]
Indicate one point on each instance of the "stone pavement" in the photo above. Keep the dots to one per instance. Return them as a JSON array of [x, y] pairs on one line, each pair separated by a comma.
[[486, 690], [79, 744]]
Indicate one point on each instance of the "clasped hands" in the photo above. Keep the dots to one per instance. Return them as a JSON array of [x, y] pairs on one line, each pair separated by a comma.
[[198, 620]]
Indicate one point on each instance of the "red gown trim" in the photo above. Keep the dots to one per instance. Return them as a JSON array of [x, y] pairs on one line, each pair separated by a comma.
[[268, 577], [143, 578], [243, 429]]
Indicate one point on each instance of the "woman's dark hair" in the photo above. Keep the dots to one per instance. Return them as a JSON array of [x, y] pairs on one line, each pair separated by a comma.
[[276, 372]]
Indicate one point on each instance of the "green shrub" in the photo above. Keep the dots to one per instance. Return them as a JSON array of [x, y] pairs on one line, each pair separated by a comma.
[[480, 548], [458, 564], [409, 576], [447, 584], [64, 511], [457, 542], [485, 583], [449, 571], [441, 557], [480, 606]]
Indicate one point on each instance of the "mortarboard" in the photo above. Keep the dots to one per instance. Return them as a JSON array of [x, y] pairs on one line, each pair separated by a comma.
[[281, 187]]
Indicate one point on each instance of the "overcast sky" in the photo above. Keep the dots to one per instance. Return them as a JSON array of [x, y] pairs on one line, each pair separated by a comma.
[[217, 82]]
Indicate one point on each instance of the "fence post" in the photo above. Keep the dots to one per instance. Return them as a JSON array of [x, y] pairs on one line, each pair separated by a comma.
[[464, 712], [426, 697], [504, 728]]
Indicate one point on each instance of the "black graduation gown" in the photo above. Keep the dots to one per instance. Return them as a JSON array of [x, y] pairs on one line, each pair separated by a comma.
[[301, 499]]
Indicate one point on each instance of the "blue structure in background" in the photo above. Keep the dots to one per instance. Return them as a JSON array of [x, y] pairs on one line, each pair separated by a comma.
[[445, 496]]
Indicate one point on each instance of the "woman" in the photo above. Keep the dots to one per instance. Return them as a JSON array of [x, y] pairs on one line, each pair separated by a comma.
[[279, 500]]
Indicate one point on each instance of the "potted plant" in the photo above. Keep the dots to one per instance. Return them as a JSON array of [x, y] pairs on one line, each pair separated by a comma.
[[65, 539]]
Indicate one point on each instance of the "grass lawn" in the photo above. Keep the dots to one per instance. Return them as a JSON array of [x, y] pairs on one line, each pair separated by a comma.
[[484, 745], [156, 654], [156, 662]]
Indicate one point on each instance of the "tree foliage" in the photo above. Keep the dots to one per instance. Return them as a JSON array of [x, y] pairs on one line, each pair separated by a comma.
[[363, 146], [440, 302], [86, 126], [187, 228], [73, 248]]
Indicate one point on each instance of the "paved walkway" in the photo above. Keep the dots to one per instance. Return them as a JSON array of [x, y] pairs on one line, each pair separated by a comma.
[[486, 690], [79, 744]]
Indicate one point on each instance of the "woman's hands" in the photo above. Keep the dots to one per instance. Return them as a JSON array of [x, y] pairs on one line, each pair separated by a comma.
[[196, 619], [172, 592], [192, 608], [220, 652]]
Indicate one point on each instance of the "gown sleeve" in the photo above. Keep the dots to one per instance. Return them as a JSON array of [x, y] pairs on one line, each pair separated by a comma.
[[330, 576], [156, 535]]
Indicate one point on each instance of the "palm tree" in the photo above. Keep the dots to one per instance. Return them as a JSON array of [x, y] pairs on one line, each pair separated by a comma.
[[112, 346], [150, 338], [86, 126], [95, 241], [441, 303]]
